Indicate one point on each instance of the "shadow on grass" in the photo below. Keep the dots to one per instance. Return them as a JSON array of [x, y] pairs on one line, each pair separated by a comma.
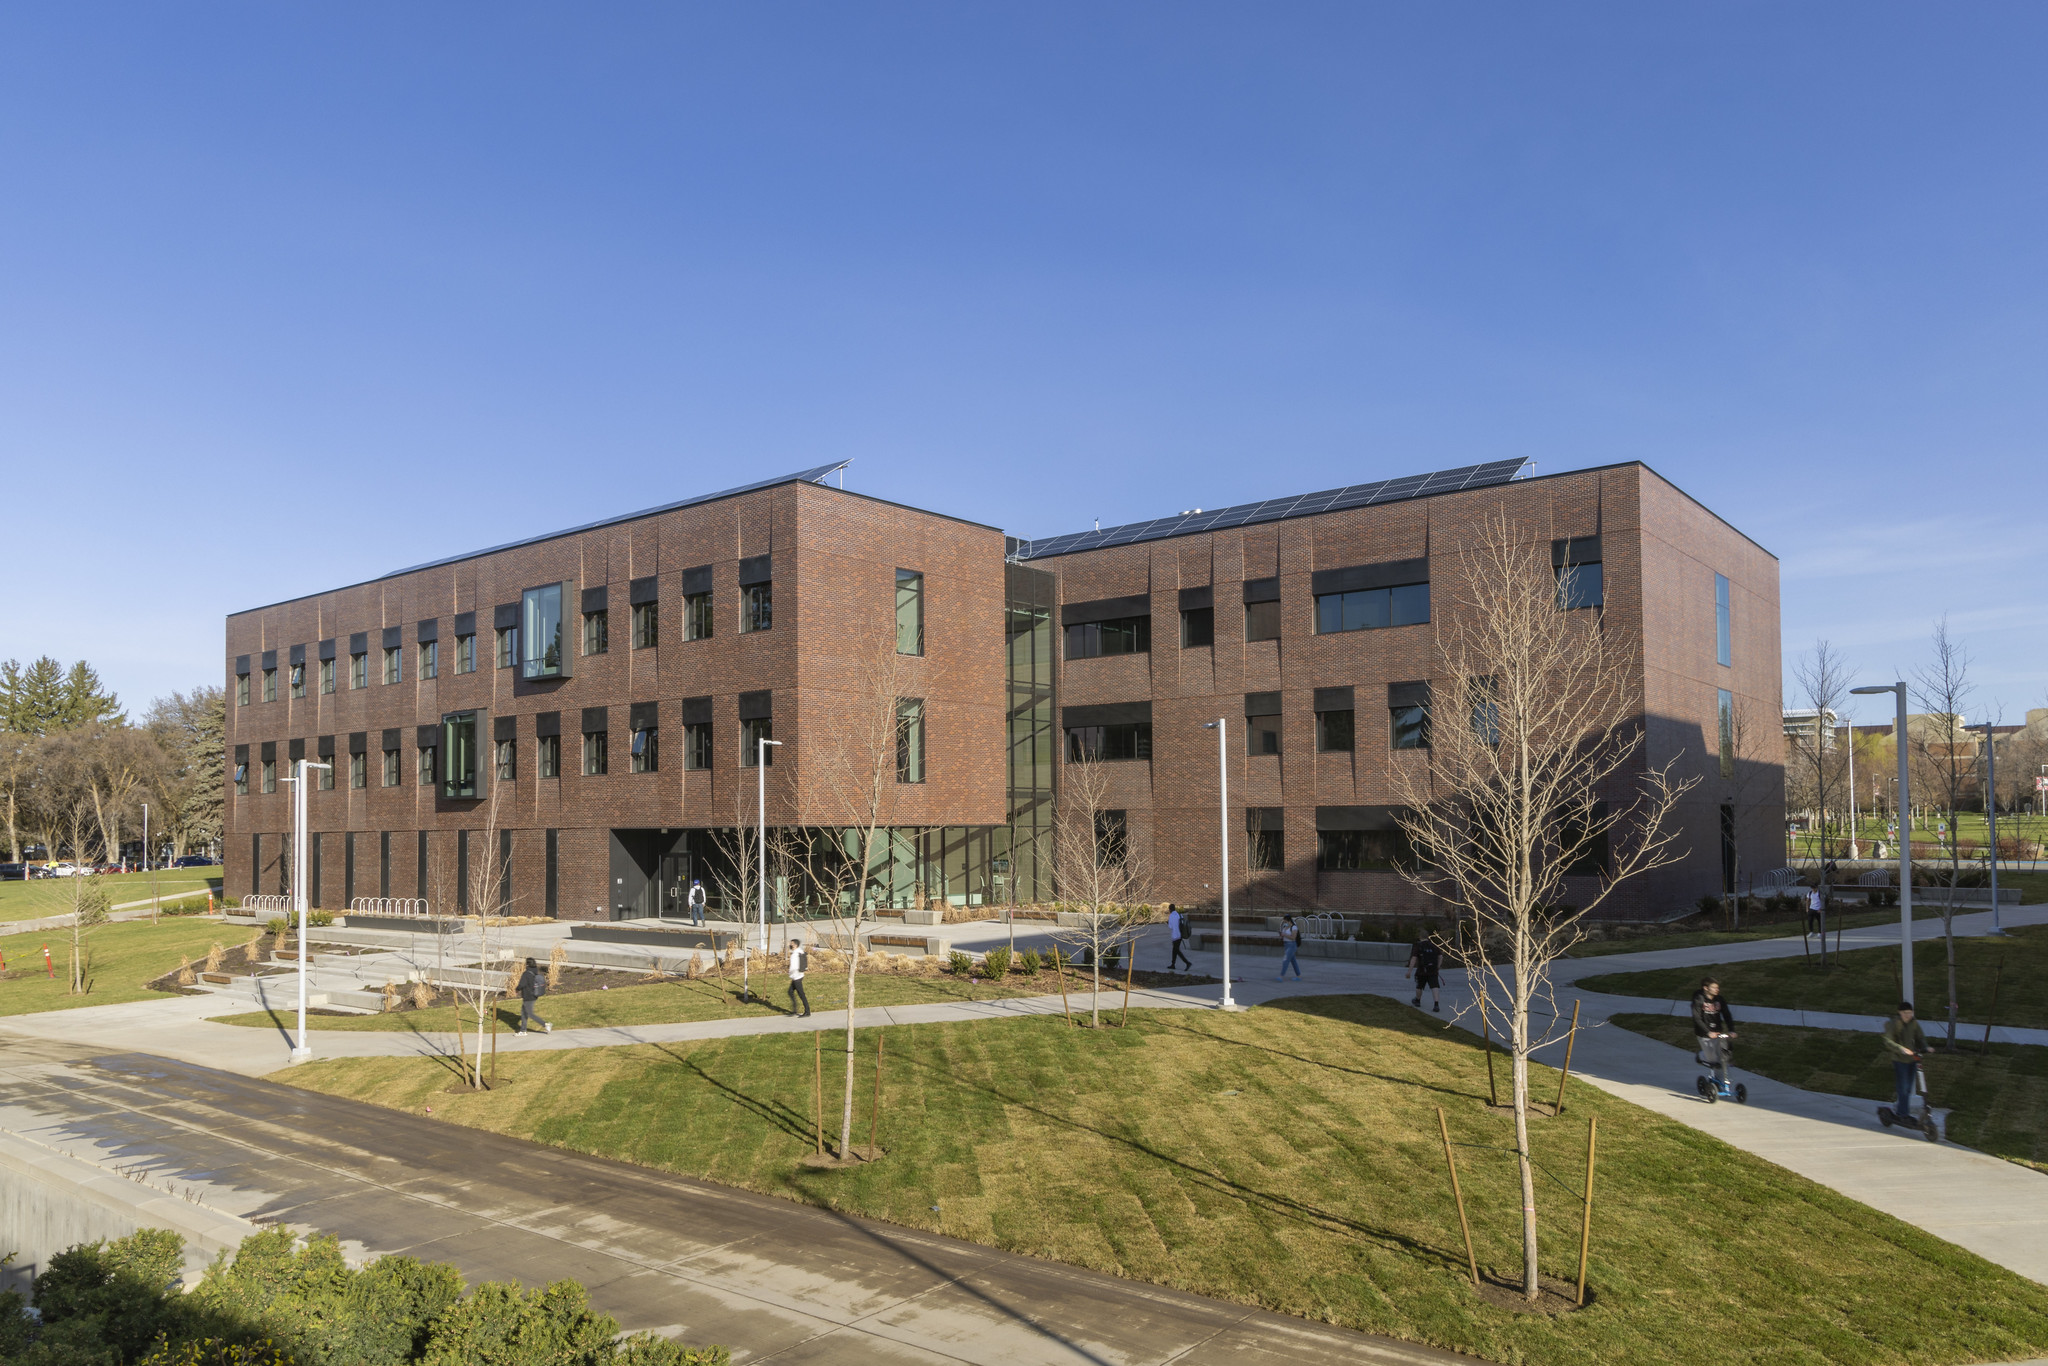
[[776, 1113]]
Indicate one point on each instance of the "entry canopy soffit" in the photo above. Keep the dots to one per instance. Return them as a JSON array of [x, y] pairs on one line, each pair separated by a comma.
[[816, 475], [1277, 509]]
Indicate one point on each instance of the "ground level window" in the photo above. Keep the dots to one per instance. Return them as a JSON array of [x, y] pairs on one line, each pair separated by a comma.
[[1349, 850]]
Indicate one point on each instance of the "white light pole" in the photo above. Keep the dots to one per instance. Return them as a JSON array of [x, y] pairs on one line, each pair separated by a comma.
[[1854, 853], [145, 837], [1991, 812], [1221, 726], [302, 1051], [1905, 800]]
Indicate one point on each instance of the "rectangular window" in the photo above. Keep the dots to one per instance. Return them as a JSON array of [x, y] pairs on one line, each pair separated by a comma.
[[242, 778], [752, 733], [909, 738], [430, 659], [393, 667], [647, 750], [1580, 585], [1726, 715], [1262, 621], [1485, 710], [1121, 636], [326, 782], [646, 625], [459, 757], [596, 754], [1197, 627], [426, 767], [1370, 609], [757, 607], [241, 690], [1262, 734], [1109, 744], [359, 670], [326, 676], [465, 654], [1723, 645], [1265, 844], [550, 756], [270, 685], [696, 616], [597, 632], [298, 680], [270, 775], [909, 615], [508, 646], [1353, 850], [542, 651], [391, 771], [1112, 838], [697, 745], [358, 771], [1410, 727], [508, 760], [1334, 731]]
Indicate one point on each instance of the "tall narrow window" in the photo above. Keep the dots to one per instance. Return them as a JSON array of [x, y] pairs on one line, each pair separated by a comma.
[[1725, 712], [393, 656], [430, 659], [597, 632], [1112, 839], [542, 651], [757, 607], [697, 616], [391, 774], [359, 670], [752, 734], [550, 756], [697, 745], [1262, 722], [270, 685], [909, 739], [508, 765], [465, 654], [646, 750], [459, 757], [1265, 838], [298, 680], [909, 614], [508, 646], [426, 767], [596, 754], [646, 625], [241, 690], [326, 676], [1408, 715], [358, 770], [270, 775], [1580, 585], [241, 774], [325, 782], [1485, 699], [1723, 646]]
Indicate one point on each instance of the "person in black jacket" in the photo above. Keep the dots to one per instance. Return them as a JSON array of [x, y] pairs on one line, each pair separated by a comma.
[[1713, 1025], [533, 984]]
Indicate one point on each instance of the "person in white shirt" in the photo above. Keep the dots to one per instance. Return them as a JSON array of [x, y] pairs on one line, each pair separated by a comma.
[[798, 961]]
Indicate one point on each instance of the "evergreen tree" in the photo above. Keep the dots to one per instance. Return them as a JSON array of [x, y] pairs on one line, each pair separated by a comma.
[[44, 697]]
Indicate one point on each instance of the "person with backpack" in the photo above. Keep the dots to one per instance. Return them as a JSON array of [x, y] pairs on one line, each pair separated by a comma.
[[1290, 943], [1425, 964], [1713, 1025], [696, 902], [799, 961], [1176, 934], [533, 984]]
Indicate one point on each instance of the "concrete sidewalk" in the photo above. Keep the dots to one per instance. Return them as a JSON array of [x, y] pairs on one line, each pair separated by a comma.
[[775, 1280]]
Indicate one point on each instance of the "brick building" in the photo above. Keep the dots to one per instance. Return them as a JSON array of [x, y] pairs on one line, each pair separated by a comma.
[[587, 705]]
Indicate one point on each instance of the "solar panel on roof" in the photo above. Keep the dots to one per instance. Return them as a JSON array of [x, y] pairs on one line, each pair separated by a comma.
[[1278, 509], [817, 475]]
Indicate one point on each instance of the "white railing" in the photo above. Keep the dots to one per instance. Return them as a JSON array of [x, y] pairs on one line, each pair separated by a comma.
[[259, 904], [412, 906]]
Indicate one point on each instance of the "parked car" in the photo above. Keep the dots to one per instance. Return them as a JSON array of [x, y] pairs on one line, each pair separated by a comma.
[[13, 872], [68, 870], [196, 861]]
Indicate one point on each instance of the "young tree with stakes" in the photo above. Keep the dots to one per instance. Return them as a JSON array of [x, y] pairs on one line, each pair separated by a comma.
[[1539, 772], [1095, 867]]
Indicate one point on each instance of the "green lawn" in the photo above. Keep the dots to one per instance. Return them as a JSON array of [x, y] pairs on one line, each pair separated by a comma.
[[676, 1001], [1865, 981], [1285, 1157], [52, 896], [124, 957], [1775, 929], [1998, 1104]]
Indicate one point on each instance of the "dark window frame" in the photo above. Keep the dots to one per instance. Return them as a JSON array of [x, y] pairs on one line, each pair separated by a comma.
[[597, 632], [757, 608], [1119, 742], [910, 740], [646, 625], [1334, 736], [1197, 627], [753, 730], [910, 596], [1373, 609], [1108, 639], [698, 621]]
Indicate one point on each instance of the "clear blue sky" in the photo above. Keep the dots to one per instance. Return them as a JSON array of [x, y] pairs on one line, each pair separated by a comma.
[[498, 269]]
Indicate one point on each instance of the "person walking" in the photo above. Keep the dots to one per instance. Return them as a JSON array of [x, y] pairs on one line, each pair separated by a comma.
[[1176, 934], [533, 984], [1290, 942], [1816, 907], [1713, 1025], [1905, 1042], [799, 961], [696, 902], [1426, 964]]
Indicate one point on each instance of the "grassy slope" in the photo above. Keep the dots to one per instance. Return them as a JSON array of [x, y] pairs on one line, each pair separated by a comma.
[[667, 1002], [1865, 981], [124, 957], [1285, 1157], [52, 896], [1998, 1103]]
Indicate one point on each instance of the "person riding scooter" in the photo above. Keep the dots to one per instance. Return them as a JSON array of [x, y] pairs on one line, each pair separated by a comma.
[[1905, 1042], [1713, 1026]]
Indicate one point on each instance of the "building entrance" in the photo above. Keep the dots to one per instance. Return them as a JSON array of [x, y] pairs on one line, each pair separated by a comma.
[[650, 872], [673, 891]]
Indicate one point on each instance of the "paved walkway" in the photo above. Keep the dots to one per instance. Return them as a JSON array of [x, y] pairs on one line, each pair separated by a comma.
[[776, 1280]]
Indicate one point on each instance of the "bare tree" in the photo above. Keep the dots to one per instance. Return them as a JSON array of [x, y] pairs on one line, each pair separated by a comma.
[[737, 878], [1823, 683], [1947, 758], [1096, 867], [1535, 772]]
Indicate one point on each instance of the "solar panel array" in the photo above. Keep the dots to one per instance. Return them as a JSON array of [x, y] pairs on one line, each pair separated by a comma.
[[1277, 509], [817, 475]]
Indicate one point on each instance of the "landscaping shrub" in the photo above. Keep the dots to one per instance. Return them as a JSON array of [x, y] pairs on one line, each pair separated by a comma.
[[997, 962], [1028, 962], [319, 919], [960, 964], [275, 927]]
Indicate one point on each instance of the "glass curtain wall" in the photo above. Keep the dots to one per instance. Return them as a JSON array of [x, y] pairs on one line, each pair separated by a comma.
[[1022, 853]]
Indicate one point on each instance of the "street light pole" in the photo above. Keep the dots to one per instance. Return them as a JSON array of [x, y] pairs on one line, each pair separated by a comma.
[[1991, 812], [1854, 853], [302, 1051], [1905, 800], [1221, 726]]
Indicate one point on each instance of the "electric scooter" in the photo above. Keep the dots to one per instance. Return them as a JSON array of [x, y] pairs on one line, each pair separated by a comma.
[[1712, 1089], [1925, 1122]]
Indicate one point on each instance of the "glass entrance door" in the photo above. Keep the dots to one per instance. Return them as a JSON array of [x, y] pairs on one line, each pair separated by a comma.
[[673, 891]]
